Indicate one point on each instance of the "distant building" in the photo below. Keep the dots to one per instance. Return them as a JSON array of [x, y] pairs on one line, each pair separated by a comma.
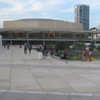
[[93, 29], [96, 33], [98, 28], [82, 15]]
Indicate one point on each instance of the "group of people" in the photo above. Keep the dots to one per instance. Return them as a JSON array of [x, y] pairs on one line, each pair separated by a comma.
[[48, 51], [84, 54], [27, 46], [42, 48], [45, 50], [6, 45]]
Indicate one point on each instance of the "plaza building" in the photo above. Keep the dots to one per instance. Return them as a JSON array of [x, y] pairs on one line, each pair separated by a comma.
[[33, 30], [45, 24]]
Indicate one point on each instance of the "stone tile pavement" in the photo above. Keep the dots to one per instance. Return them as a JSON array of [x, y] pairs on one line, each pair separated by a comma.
[[19, 72], [16, 56], [49, 79]]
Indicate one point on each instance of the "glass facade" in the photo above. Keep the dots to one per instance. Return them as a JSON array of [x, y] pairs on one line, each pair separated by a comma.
[[82, 15]]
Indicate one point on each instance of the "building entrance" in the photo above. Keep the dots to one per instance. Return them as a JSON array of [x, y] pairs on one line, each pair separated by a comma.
[[21, 42]]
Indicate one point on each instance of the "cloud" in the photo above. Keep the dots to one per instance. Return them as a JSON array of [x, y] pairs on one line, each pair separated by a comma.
[[44, 5], [22, 7], [15, 7], [42, 8], [94, 4], [38, 6], [69, 10]]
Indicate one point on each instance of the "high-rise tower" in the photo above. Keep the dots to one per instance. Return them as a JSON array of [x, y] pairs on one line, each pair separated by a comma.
[[82, 15]]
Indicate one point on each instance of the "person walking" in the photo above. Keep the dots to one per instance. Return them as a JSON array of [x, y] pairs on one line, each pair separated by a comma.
[[44, 50], [30, 48], [90, 55], [25, 48], [65, 54], [8, 46], [49, 35], [4, 44], [83, 55]]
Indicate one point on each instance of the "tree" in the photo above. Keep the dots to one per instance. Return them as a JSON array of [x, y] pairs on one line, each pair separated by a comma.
[[98, 48], [92, 46], [60, 46], [79, 45]]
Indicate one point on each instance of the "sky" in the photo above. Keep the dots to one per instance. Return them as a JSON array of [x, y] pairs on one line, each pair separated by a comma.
[[50, 9]]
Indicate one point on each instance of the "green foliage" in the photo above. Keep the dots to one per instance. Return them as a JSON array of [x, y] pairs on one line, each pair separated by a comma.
[[98, 48], [95, 58], [79, 45], [62, 45], [75, 58], [79, 58], [92, 46]]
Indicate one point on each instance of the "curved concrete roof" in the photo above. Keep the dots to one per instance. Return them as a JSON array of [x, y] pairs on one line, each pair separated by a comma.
[[40, 19], [44, 24]]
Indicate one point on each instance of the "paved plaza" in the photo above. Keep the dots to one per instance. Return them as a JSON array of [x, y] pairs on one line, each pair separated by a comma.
[[21, 73]]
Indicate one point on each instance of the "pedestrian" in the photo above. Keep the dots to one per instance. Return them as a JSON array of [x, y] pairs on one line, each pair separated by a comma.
[[20, 45], [25, 48], [49, 35], [65, 54], [30, 48], [83, 55], [44, 50], [54, 35], [90, 55], [8, 46], [4, 45], [49, 51], [40, 47], [40, 55]]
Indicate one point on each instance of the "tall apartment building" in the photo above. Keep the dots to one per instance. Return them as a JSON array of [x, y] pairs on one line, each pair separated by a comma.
[[82, 15]]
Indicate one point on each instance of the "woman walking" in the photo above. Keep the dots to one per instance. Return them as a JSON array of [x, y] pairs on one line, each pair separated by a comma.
[[90, 55], [30, 48], [83, 55], [25, 48]]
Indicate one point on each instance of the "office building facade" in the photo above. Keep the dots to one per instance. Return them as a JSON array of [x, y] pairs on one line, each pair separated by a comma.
[[82, 15]]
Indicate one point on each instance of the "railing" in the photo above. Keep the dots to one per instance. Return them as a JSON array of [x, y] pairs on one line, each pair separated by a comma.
[[46, 39]]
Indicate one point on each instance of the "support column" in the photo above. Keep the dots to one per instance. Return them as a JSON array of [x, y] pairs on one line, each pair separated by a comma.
[[91, 36]]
